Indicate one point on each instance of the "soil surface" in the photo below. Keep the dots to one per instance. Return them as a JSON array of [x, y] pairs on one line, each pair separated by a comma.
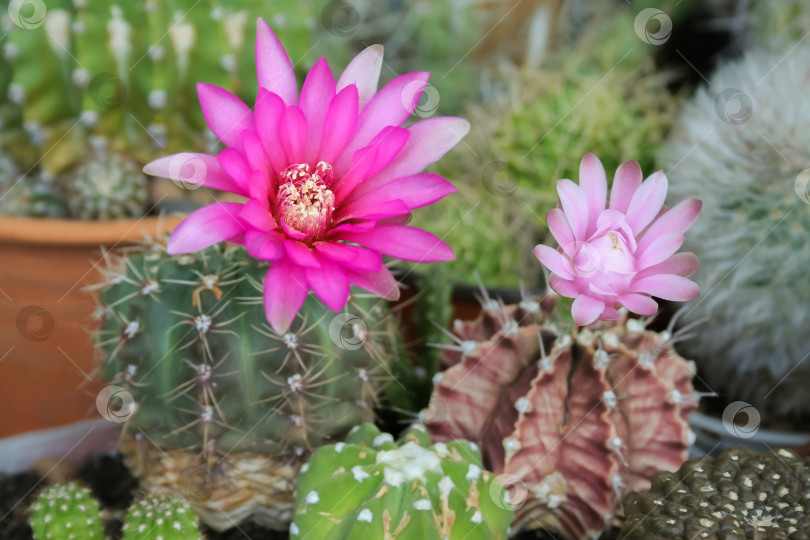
[[115, 489]]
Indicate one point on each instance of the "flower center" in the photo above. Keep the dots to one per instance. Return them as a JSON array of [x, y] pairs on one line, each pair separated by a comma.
[[305, 202]]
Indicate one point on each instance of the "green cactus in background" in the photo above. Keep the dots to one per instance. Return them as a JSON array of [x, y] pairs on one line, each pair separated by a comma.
[[598, 94], [370, 487], [185, 342], [26, 196], [159, 516], [108, 187], [66, 512], [69, 511]]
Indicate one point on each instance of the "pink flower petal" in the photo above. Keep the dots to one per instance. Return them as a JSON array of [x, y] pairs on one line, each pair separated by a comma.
[[256, 215], [660, 250], [668, 287], [364, 73], [225, 114], [379, 282], [414, 191], [559, 227], [575, 207], [329, 282], [339, 124], [316, 93], [254, 152], [301, 254], [682, 264], [406, 243], [367, 161], [391, 106], [293, 134], [352, 257], [269, 110], [430, 139], [264, 246], [361, 227], [235, 165], [639, 303], [205, 227], [586, 309], [259, 189], [593, 181], [676, 220], [553, 260], [563, 287], [625, 183], [274, 70], [285, 289], [647, 201], [361, 210], [194, 169]]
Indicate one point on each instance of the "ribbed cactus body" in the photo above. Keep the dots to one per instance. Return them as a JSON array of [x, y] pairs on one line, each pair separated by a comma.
[[575, 423], [159, 516], [371, 487], [232, 407], [188, 338], [107, 187], [66, 512], [738, 494]]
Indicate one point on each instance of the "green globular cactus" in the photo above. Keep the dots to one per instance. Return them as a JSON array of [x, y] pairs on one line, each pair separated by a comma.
[[160, 516], [187, 348], [26, 196], [109, 187], [371, 487], [738, 494], [66, 512]]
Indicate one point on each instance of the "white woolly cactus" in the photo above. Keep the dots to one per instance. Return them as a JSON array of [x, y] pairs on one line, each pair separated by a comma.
[[744, 149]]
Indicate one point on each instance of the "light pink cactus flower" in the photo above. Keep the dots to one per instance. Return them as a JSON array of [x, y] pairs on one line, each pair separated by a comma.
[[329, 177], [621, 252]]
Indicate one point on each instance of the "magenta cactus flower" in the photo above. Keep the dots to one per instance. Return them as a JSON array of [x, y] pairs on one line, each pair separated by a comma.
[[329, 177], [621, 252]]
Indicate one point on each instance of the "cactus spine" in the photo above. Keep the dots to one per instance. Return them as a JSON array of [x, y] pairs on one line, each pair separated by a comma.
[[371, 487], [186, 338]]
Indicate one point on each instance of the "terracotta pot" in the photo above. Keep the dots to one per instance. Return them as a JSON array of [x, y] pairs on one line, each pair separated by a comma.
[[46, 353]]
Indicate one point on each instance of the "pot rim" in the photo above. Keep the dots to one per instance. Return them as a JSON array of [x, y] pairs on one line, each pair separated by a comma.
[[78, 233]]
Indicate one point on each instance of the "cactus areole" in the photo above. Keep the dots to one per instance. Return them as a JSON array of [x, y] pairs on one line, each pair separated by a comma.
[[569, 424]]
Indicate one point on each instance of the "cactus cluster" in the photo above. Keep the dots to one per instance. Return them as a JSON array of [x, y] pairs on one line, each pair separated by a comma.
[[219, 404], [738, 494], [108, 187], [23, 196], [575, 422], [743, 149], [69, 512], [75, 72], [600, 94], [372, 487]]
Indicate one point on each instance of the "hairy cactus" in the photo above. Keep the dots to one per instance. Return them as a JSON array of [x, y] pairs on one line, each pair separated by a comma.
[[159, 516], [66, 512], [746, 141], [739, 494], [575, 423], [370, 487], [109, 187], [233, 407], [69, 511]]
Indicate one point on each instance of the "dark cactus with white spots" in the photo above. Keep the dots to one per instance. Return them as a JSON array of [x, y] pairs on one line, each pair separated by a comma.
[[572, 421], [206, 381], [372, 487]]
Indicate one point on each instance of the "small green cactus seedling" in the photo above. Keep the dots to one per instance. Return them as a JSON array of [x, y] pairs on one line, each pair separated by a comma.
[[371, 487], [160, 516], [66, 512], [107, 188]]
